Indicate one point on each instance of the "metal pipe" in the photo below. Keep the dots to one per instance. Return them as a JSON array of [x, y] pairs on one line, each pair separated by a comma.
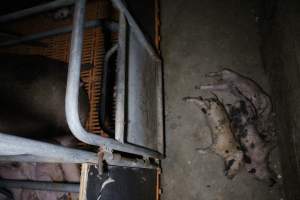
[[118, 160], [4, 36], [120, 81], [110, 159], [72, 93], [105, 90], [90, 24], [34, 10], [40, 185], [14, 145], [136, 29], [38, 159]]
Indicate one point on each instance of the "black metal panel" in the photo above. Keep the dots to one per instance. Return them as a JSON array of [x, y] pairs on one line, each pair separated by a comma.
[[124, 184]]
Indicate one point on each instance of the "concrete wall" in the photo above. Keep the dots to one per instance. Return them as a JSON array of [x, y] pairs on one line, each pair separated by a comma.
[[281, 55]]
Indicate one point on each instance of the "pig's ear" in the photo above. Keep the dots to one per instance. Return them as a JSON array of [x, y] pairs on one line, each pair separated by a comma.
[[86, 66]]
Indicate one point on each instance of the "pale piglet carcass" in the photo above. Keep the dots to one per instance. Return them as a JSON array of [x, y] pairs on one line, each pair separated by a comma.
[[223, 141]]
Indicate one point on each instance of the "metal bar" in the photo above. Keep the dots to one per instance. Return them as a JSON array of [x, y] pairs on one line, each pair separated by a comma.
[[4, 36], [38, 159], [110, 159], [120, 81], [90, 24], [136, 29], [105, 89], [14, 145], [40, 185], [34, 10], [72, 92], [118, 160]]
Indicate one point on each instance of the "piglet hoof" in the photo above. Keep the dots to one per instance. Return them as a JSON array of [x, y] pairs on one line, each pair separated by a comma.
[[230, 177], [186, 99], [197, 87], [213, 74]]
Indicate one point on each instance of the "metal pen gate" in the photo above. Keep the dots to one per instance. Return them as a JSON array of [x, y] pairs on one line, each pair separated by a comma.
[[132, 99]]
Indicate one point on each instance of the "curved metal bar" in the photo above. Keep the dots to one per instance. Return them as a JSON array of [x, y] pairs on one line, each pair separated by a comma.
[[72, 93], [103, 103], [40, 185], [34, 10], [136, 29]]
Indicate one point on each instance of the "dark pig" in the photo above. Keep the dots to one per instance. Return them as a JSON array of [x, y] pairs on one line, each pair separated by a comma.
[[33, 90]]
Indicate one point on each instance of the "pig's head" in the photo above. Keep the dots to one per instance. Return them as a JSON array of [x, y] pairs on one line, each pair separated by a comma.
[[233, 164]]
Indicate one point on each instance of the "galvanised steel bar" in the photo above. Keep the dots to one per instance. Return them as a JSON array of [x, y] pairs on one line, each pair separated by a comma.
[[110, 159], [90, 24], [43, 159], [120, 81], [40, 185], [136, 29], [106, 83], [11, 145]]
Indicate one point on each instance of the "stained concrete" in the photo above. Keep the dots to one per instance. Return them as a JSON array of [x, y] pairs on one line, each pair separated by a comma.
[[199, 37], [281, 55]]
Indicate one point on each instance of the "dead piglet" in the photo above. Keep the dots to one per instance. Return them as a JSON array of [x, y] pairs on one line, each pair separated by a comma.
[[257, 155], [229, 80], [256, 150], [223, 142], [249, 88]]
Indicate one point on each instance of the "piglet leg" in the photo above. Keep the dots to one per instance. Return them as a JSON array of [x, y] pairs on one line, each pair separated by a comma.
[[214, 74], [215, 87]]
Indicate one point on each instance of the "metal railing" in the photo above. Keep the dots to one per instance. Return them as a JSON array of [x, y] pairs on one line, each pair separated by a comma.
[[40, 185]]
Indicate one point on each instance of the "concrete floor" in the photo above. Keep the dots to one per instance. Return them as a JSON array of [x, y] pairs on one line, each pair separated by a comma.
[[199, 37]]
